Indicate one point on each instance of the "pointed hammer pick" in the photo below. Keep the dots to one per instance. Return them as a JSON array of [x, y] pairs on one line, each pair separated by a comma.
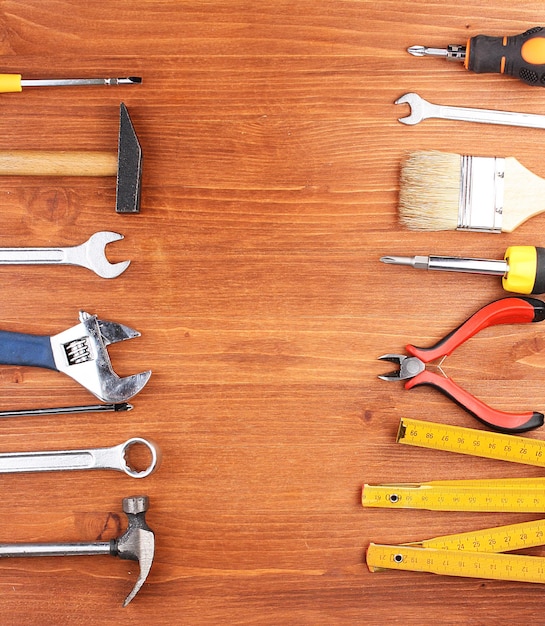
[[126, 165], [137, 543]]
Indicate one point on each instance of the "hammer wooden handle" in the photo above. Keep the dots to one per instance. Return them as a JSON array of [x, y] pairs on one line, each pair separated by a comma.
[[68, 163]]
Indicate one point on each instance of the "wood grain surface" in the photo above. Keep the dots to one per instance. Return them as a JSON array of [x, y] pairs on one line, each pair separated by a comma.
[[271, 163]]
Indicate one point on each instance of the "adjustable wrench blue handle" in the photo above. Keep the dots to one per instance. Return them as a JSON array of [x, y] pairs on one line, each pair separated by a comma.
[[24, 349]]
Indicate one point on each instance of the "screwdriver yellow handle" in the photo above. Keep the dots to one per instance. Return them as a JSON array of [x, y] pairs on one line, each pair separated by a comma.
[[10, 83], [526, 273]]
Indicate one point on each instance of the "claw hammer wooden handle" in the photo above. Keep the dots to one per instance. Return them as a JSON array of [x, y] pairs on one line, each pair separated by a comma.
[[57, 163]]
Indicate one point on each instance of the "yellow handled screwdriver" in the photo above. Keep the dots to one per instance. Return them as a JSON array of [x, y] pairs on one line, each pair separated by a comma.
[[10, 83], [522, 269], [521, 56]]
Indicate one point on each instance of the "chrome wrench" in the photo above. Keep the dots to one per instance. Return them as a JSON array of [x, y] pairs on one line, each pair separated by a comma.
[[114, 458], [422, 110], [90, 254]]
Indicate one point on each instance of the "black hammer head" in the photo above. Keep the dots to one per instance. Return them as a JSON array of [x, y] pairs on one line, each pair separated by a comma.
[[137, 543], [129, 166]]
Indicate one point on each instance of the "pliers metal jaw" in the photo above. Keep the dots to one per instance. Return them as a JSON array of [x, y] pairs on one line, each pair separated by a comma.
[[412, 368], [409, 366]]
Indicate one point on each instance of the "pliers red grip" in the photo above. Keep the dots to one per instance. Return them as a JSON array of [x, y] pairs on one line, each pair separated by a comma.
[[514, 310]]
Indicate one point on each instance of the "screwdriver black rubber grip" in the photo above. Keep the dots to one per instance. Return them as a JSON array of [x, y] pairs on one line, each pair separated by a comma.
[[521, 56], [539, 284]]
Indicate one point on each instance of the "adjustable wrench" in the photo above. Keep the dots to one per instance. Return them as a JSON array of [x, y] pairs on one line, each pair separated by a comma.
[[90, 254], [79, 352], [114, 458], [422, 110]]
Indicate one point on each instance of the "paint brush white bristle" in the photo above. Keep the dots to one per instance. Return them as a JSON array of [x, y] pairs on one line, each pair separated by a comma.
[[431, 193]]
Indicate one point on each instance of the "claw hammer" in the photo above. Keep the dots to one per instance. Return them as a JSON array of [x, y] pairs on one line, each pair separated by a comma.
[[136, 544]]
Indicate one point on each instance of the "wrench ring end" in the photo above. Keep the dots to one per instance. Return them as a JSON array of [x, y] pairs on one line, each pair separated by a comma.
[[155, 457]]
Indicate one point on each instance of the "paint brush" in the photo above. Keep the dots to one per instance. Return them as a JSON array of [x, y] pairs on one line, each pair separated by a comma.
[[446, 191]]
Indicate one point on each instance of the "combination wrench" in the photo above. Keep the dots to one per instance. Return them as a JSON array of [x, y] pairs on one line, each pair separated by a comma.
[[422, 110], [114, 458]]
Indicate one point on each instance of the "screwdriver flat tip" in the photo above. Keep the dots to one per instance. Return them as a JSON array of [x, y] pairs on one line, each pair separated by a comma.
[[123, 406]]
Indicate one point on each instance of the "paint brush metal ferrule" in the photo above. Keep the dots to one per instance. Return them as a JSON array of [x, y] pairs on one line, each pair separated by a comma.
[[481, 194]]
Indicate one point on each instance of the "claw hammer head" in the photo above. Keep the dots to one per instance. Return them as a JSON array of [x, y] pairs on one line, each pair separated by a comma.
[[129, 166], [81, 353], [138, 542]]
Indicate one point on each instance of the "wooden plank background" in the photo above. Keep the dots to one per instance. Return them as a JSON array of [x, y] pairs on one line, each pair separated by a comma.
[[271, 162]]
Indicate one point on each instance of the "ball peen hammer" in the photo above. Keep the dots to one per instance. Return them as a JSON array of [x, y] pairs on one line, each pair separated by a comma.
[[126, 165], [137, 543]]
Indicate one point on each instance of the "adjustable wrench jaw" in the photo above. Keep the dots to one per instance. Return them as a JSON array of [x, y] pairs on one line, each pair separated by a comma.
[[409, 367], [80, 352]]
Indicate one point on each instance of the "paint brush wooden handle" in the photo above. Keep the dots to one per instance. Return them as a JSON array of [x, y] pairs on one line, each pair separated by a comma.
[[57, 163]]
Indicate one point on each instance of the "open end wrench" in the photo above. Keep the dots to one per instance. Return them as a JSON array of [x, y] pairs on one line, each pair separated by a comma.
[[422, 110], [90, 254], [114, 458]]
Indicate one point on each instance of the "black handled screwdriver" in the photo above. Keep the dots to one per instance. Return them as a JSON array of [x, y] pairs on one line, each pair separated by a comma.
[[521, 56]]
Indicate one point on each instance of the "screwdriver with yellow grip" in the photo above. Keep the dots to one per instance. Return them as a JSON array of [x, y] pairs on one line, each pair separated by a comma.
[[10, 83], [521, 56], [522, 268]]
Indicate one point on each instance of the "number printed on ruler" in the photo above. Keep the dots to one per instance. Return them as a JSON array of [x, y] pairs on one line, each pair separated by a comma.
[[470, 441], [496, 539]]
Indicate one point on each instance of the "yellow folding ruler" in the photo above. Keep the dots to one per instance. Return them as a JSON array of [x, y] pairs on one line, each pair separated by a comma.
[[476, 554], [515, 495], [506, 495], [488, 444]]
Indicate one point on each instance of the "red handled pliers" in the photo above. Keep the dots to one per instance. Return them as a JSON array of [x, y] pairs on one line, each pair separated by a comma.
[[514, 310]]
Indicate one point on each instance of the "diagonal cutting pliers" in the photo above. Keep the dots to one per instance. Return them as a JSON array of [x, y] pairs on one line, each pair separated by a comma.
[[412, 369]]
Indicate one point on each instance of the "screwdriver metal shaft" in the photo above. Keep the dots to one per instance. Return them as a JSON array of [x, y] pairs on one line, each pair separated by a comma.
[[451, 264], [450, 53], [77, 82], [91, 408]]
